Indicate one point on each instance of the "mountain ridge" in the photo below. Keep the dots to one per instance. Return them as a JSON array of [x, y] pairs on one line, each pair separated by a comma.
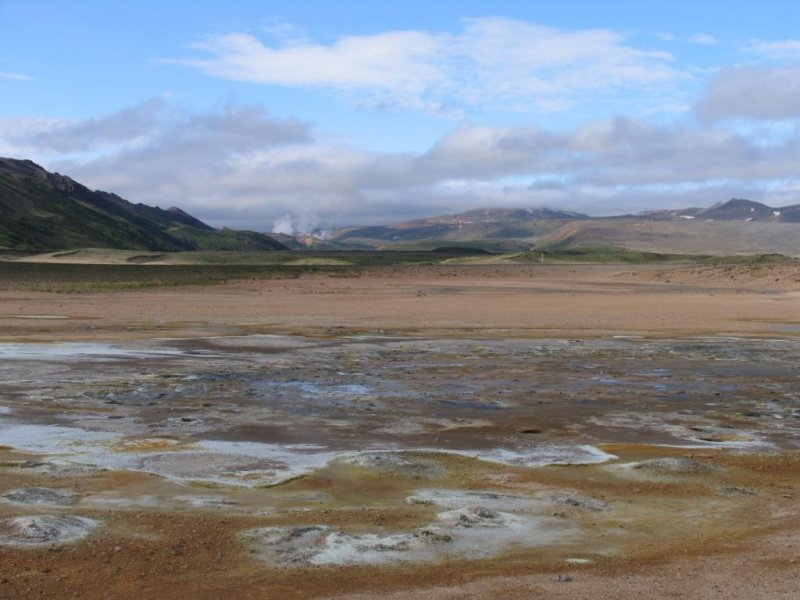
[[43, 211], [508, 229], [40, 210], [735, 209]]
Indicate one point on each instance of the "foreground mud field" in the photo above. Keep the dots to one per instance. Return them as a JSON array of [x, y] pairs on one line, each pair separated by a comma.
[[508, 432]]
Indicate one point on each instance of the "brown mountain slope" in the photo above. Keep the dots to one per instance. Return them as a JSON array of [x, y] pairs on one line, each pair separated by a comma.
[[680, 236]]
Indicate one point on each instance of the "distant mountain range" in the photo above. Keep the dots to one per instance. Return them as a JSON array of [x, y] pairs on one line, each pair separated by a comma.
[[497, 229], [505, 229], [732, 210], [40, 210]]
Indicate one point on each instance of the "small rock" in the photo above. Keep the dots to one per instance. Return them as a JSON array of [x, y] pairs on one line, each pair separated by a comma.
[[732, 490]]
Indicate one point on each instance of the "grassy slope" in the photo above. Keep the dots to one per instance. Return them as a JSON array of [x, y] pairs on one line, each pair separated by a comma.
[[45, 211]]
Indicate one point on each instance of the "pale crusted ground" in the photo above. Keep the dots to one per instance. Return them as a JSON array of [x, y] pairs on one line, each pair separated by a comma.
[[766, 569], [152, 554]]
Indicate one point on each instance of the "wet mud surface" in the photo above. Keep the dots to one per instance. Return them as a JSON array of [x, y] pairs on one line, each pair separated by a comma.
[[348, 458]]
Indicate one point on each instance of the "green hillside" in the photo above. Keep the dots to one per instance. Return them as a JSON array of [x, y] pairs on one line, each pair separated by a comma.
[[40, 210]]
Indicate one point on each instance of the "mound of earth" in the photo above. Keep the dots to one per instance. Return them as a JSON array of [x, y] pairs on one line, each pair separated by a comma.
[[41, 495], [405, 464], [40, 530], [674, 466], [322, 545]]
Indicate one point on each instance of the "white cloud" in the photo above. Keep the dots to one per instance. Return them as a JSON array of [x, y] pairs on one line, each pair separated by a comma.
[[704, 39], [492, 62], [776, 49], [392, 65], [752, 92], [287, 33], [15, 76]]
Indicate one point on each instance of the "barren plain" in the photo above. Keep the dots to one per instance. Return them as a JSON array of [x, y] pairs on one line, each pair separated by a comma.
[[487, 431]]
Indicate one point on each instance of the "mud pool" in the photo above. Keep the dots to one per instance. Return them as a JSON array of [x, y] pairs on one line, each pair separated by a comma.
[[466, 449]]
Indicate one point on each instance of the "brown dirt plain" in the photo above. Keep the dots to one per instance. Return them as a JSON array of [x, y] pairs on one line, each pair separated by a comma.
[[750, 552], [458, 301]]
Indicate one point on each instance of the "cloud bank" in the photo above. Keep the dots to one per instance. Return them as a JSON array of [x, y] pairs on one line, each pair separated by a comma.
[[240, 167]]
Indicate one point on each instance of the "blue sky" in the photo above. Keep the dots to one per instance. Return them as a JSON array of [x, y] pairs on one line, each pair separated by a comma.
[[318, 114]]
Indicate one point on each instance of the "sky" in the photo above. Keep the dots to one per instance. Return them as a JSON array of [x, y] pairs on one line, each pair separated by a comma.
[[293, 116]]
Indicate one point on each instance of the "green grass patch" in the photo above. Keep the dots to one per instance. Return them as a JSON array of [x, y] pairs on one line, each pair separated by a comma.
[[89, 278], [196, 268], [603, 254], [751, 259], [607, 254]]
